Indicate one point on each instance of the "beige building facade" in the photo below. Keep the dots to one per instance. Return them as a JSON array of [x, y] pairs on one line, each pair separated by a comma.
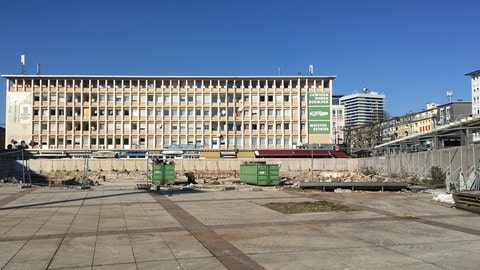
[[152, 112]]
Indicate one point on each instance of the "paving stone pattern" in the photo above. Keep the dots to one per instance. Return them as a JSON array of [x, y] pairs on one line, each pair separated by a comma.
[[119, 228]]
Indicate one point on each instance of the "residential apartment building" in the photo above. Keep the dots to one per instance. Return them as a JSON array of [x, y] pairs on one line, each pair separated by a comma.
[[151, 112], [475, 78], [453, 111], [363, 108]]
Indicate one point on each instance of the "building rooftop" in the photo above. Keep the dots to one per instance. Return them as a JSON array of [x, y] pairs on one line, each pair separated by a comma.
[[167, 77]]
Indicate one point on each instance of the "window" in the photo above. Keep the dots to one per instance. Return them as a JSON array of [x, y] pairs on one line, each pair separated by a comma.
[[286, 98], [262, 98], [270, 98], [286, 126], [150, 98], [278, 112], [262, 126], [206, 98], [166, 98]]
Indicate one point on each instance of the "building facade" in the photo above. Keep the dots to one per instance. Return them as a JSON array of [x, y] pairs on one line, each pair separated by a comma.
[[475, 78], [338, 120], [152, 112], [363, 108]]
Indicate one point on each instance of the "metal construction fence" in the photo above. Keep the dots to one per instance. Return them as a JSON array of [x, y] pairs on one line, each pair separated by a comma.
[[456, 162]]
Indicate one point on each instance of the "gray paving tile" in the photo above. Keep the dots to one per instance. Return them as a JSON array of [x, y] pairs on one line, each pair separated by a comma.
[[75, 253], [113, 249]]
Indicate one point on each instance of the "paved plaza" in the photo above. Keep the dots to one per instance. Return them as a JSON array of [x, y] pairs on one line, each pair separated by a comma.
[[124, 228]]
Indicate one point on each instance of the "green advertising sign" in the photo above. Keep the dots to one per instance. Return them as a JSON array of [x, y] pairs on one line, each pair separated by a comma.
[[318, 113], [319, 127]]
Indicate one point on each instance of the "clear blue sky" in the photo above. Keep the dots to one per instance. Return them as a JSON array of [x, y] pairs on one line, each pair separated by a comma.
[[413, 51]]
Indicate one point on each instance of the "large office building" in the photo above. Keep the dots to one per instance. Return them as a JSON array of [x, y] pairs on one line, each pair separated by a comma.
[[152, 112], [363, 108]]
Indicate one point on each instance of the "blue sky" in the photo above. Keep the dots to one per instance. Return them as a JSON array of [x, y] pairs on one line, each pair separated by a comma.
[[413, 51]]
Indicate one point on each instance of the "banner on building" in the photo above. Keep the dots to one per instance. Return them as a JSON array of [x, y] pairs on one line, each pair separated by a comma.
[[318, 113]]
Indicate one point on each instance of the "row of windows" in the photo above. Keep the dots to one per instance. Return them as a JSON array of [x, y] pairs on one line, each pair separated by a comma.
[[176, 83], [166, 126], [167, 98], [169, 112], [150, 141]]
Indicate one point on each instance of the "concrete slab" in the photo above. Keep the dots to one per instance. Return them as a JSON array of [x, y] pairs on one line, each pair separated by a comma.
[[114, 228]]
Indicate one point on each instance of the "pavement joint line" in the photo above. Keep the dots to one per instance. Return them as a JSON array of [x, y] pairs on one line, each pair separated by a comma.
[[163, 238], [129, 235], [15, 196], [230, 256], [62, 201], [224, 226], [422, 220], [30, 238], [84, 205], [63, 235]]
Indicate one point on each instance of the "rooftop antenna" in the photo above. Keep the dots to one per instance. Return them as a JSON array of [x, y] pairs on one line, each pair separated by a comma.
[[22, 60], [449, 95], [38, 69], [310, 70]]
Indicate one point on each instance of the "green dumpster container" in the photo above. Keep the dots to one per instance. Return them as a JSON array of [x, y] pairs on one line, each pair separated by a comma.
[[260, 174], [163, 174]]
